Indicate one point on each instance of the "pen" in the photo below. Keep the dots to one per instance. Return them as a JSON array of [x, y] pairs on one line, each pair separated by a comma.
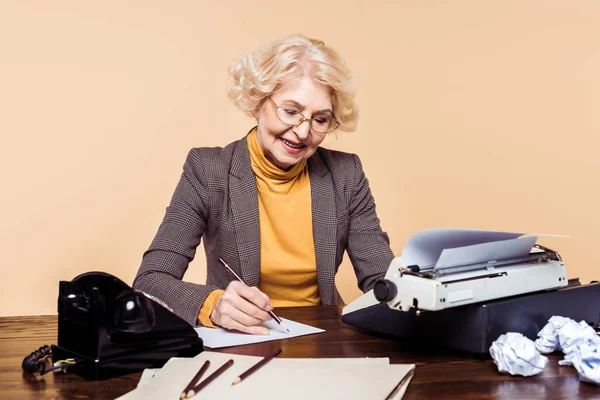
[[255, 367], [271, 313]]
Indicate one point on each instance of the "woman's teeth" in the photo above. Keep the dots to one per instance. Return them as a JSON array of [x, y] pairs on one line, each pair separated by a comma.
[[292, 145]]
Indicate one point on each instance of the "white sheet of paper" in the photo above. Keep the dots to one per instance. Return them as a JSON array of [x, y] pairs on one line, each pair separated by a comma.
[[425, 247], [290, 379], [147, 375], [215, 338], [485, 252]]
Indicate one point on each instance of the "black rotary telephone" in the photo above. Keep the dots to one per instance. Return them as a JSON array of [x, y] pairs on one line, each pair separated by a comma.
[[107, 329]]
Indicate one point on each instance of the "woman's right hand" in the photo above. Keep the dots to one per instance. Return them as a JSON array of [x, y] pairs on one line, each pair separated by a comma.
[[242, 308]]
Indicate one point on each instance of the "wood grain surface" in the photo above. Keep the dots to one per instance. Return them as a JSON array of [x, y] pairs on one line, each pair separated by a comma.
[[440, 373]]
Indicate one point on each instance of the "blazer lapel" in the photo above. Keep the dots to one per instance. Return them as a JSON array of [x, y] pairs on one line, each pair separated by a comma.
[[244, 208], [324, 225]]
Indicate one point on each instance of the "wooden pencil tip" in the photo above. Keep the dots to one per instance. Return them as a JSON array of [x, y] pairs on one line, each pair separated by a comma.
[[284, 327], [236, 381]]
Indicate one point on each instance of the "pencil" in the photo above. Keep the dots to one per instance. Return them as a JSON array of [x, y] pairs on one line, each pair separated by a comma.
[[271, 313], [400, 384], [255, 367], [195, 379], [208, 380]]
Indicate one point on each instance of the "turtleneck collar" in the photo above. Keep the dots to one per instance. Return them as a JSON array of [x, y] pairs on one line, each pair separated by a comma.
[[266, 171]]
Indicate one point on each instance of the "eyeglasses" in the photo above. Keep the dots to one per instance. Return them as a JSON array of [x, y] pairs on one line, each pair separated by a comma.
[[321, 124]]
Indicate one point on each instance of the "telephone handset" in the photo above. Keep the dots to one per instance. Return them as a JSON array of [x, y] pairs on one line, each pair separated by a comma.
[[107, 329]]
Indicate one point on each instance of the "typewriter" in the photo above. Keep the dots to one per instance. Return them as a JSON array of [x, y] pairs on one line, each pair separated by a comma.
[[464, 288]]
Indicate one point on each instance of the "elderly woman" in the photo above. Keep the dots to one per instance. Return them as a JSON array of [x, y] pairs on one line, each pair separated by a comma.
[[276, 207]]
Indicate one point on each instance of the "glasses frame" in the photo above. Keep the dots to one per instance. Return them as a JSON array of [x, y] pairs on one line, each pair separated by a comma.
[[303, 119]]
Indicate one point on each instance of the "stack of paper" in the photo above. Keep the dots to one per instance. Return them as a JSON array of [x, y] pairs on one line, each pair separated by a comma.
[[322, 378]]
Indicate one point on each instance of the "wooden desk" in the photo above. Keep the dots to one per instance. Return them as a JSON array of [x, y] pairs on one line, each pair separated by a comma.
[[439, 373]]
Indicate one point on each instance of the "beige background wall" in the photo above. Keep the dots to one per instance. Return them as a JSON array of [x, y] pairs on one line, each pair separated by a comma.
[[474, 115]]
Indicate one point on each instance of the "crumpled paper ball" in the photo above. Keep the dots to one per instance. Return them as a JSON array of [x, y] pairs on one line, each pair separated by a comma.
[[572, 334], [515, 354], [586, 360], [579, 342], [547, 341]]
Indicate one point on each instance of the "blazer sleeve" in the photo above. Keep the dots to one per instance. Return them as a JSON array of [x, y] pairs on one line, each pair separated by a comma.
[[174, 246], [368, 246]]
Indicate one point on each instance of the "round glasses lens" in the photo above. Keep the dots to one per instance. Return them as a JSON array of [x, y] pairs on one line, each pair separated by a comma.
[[320, 124], [289, 115], [323, 124]]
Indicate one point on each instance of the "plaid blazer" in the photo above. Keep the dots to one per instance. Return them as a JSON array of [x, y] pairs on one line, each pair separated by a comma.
[[216, 199]]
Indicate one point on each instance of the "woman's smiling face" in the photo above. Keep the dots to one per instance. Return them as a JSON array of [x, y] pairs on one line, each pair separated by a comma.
[[284, 145]]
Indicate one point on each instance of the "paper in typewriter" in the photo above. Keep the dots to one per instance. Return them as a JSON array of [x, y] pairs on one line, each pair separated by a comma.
[[486, 252], [444, 248]]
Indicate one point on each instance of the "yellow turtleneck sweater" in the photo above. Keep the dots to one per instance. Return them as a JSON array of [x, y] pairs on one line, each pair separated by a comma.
[[288, 268]]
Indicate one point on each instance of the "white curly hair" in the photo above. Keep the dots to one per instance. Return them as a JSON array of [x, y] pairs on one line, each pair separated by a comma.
[[258, 75]]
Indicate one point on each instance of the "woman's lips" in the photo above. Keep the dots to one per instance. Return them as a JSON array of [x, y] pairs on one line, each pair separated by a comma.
[[292, 147]]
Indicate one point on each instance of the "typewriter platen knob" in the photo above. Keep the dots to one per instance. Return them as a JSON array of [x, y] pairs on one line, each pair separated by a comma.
[[384, 290]]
